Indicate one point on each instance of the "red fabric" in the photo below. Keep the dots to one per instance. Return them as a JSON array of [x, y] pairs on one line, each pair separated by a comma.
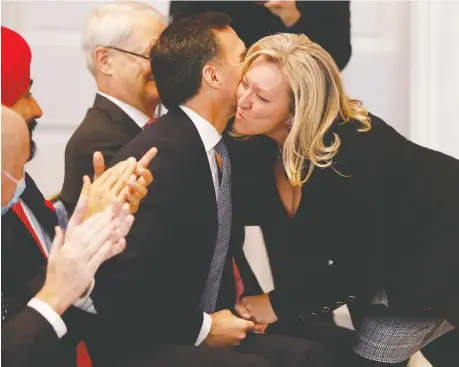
[[153, 119], [238, 282], [83, 359], [50, 205], [19, 210], [16, 58]]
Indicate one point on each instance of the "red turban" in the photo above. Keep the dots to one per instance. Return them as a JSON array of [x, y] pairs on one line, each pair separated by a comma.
[[16, 58]]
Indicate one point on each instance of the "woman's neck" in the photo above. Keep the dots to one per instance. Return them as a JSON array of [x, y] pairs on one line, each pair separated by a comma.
[[279, 135]]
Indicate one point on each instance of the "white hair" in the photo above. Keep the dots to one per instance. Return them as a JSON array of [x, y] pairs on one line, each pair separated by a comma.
[[111, 25]]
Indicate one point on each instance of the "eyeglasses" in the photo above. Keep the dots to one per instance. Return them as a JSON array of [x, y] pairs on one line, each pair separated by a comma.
[[129, 52]]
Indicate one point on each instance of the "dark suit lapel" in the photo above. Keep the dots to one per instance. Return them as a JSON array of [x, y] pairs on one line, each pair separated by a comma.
[[122, 120], [22, 259], [17, 242], [36, 203]]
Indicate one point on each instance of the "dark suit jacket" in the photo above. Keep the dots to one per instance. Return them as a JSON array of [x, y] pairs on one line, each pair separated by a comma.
[[392, 224], [324, 22], [27, 338], [150, 293], [105, 128]]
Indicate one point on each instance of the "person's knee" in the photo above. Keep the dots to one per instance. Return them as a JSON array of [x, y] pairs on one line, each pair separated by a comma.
[[310, 353]]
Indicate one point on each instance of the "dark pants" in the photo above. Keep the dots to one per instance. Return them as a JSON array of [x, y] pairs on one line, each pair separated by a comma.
[[337, 340], [255, 351]]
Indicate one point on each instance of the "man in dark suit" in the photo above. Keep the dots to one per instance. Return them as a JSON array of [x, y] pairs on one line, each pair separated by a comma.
[[34, 327], [327, 23], [175, 284], [127, 97]]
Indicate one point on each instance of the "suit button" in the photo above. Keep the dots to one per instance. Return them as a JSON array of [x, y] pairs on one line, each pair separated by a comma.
[[326, 310], [339, 304], [312, 315], [301, 318], [351, 298]]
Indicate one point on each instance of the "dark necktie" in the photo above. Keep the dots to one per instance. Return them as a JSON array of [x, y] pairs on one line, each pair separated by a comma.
[[224, 212]]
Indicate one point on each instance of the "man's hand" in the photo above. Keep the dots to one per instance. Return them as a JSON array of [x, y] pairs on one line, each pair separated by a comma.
[[136, 188], [227, 330], [74, 260], [259, 309], [132, 188], [284, 9], [107, 186]]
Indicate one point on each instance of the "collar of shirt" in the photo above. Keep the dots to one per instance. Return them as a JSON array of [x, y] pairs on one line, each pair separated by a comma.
[[136, 115], [208, 133]]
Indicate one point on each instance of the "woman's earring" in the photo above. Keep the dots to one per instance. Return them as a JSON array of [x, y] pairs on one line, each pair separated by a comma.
[[290, 123]]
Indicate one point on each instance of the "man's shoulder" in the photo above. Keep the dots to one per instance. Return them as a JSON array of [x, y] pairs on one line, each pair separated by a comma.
[[167, 134], [95, 131]]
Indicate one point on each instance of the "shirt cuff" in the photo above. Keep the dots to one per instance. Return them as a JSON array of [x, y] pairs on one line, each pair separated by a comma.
[[85, 302], [50, 315], [205, 329]]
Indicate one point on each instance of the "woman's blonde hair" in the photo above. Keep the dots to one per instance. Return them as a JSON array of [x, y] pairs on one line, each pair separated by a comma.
[[318, 97]]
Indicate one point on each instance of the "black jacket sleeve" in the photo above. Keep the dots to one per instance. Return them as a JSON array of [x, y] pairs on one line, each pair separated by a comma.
[[26, 338], [327, 23]]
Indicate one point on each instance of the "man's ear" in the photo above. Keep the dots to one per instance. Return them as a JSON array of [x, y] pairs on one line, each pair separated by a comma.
[[210, 76], [102, 60]]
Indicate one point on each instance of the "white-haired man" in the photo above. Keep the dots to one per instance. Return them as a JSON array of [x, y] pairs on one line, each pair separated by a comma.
[[116, 42]]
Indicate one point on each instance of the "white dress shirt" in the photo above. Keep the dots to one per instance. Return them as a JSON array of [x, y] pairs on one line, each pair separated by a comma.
[[136, 115], [41, 307], [210, 137]]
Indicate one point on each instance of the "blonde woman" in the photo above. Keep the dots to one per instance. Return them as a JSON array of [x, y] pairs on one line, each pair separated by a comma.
[[352, 212]]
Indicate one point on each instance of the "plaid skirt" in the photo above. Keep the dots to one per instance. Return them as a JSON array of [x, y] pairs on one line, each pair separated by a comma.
[[389, 338]]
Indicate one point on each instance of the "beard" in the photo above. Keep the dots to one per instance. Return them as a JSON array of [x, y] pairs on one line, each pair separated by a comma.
[[33, 146]]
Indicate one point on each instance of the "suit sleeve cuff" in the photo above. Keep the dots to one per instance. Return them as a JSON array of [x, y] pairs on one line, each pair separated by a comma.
[[50, 315], [205, 329]]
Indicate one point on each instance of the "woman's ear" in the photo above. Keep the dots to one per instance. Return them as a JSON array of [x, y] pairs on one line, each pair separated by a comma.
[[210, 76]]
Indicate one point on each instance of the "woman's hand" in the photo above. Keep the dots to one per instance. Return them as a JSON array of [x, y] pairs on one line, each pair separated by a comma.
[[259, 308]]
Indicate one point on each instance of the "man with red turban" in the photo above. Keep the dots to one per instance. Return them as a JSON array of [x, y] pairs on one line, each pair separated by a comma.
[[16, 81]]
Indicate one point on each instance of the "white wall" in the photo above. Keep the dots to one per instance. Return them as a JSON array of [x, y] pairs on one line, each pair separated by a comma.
[[378, 70], [434, 85]]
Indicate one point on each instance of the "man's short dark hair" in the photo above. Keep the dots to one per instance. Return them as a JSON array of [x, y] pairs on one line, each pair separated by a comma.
[[180, 54]]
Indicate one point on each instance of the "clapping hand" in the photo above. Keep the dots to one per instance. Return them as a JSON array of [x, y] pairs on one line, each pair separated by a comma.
[[75, 257], [127, 181]]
